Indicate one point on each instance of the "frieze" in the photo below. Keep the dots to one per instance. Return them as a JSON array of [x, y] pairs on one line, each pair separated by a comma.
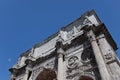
[[73, 51], [66, 35], [72, 76], [76, 75]]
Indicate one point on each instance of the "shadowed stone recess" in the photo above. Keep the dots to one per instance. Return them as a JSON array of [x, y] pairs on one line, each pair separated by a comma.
[[46, 74]]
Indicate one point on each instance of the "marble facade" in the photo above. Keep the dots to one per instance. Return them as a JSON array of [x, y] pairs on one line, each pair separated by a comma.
[[82, 50]]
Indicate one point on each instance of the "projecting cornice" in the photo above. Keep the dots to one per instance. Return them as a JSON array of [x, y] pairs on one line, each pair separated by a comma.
[[87, 18], [101, 29]]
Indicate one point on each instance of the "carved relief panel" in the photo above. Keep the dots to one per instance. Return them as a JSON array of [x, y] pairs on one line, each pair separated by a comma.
[[72, 64], [48, 64], [79, 63]]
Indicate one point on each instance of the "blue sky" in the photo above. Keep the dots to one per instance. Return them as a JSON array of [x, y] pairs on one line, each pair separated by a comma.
[[24, 23]]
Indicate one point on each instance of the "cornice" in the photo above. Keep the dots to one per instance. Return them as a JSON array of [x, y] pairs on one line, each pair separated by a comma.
[[101, 29]]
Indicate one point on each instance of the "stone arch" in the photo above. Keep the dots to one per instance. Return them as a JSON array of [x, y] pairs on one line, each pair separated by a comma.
[[85, 78], [46, 74]]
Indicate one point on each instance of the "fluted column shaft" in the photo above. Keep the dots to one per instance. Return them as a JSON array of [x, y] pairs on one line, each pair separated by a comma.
[[99, 59], [60, 67], [60, 64]]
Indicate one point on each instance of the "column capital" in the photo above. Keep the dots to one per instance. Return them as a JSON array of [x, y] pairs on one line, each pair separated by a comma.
[[59, 45], [100, 36], [91, 36], [60, 52]]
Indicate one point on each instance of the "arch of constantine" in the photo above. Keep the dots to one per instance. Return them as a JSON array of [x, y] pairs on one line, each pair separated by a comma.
[[82, 50]]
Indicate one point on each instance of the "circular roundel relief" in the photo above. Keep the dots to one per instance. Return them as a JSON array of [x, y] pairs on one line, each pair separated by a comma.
[[73, 62]]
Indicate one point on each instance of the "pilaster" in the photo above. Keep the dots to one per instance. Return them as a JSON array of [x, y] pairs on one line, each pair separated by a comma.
[[110, 57]]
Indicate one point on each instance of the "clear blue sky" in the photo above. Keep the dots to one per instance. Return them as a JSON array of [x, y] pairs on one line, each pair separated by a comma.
[[24, 23]]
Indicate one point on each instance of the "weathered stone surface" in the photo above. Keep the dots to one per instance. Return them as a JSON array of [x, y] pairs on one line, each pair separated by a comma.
[[83, 50]]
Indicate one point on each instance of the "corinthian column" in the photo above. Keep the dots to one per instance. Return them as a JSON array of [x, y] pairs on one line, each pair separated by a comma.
[[60, 64], [99, 59]]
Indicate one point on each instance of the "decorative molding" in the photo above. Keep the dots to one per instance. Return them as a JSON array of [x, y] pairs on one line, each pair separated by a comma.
[[74, 72]]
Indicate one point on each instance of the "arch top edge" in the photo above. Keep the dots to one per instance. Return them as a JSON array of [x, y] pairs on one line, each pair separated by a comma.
[[86, 78]]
